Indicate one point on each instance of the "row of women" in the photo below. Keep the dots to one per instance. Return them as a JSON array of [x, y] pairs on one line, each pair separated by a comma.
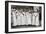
[[20, 17]]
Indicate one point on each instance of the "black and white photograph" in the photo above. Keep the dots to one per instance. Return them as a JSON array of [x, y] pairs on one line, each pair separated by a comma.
[[24, 16]]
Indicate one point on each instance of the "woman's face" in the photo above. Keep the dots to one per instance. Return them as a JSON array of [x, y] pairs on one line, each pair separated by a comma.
[[21, 10], [25, 10]]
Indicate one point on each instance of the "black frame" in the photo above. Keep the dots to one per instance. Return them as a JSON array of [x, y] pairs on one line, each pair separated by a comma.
[[6, 16]]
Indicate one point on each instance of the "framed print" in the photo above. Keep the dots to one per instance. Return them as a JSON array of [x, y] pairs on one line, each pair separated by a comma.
[[24, 16]]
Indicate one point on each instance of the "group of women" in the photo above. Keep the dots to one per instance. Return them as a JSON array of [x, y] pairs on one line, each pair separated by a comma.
[[24, 17]]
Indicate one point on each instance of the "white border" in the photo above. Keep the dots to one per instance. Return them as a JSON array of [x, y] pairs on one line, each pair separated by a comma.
[[25, 29]]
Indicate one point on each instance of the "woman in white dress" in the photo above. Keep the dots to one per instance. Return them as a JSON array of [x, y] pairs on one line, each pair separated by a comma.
[[27, 17], [35, 18], [14, 17], [18, 18], [23, 18], [30, 17]]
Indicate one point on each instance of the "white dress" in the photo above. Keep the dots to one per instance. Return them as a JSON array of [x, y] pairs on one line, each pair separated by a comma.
[[23, 19], [35, 19], [28, 18], [18, 19], [14, 19]]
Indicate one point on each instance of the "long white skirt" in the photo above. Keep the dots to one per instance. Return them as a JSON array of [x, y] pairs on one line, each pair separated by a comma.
[[21, 19], [14, 19], [24, 20], [29, 18], [18, 20], [35, 19]]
